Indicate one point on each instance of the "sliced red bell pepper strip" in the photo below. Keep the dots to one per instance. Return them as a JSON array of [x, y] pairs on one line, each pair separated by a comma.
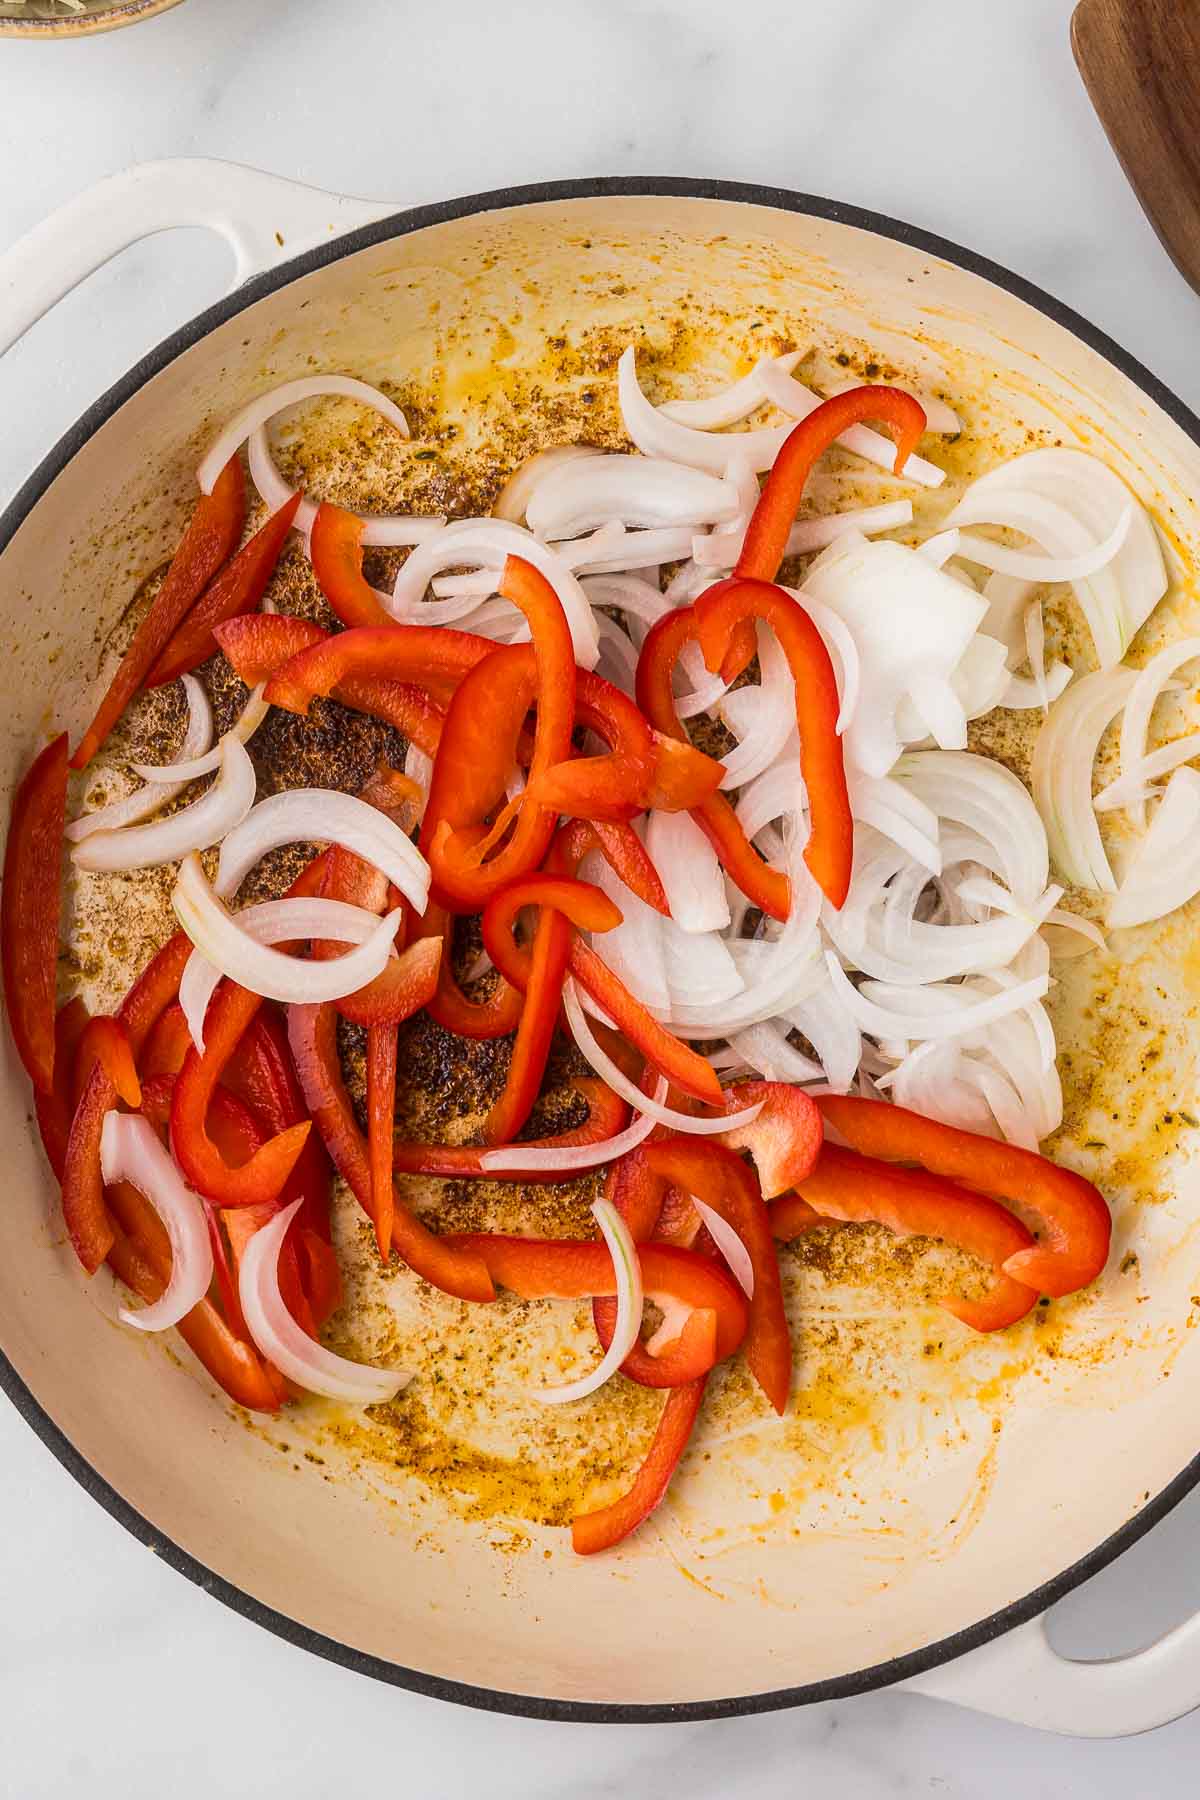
[[408, 983], [479, 747], [435, 657], [231, 1011], [140, 1255], [847, 1185], [335, 546], [765, 542], [582, 1268], [56, 1109], [767, 888], [209, 540], [391, 791], [381, 1129], [539, 1016], [87, 1218], [238, 588], [830, 847], [30, 907], [643, 769], [1072, 1213], [784, 1140], [257, 644], [791, 1217], [721, 1179], [684, 1067], [312, 1035], [448, 1006], [607, 1115], [610, 1525], [106, 1041], [624, 851], [167, 1044], [585, 906]]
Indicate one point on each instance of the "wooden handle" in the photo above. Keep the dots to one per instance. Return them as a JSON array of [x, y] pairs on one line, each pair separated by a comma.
[[1140, 62]]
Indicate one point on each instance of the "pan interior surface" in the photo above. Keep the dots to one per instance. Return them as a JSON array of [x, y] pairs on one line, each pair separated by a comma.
[[924, 1478]]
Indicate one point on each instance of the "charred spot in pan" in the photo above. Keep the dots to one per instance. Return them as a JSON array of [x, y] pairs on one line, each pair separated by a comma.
[[332, 747]]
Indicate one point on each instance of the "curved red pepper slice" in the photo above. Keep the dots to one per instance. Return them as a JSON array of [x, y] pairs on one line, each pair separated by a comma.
[[607, 1115], [30, 907], [167, 1045], [791, 1217], [624, 851], [479, 747], [846, 1185], [721, 1179], [767, 888], [407, 983], [829, 851], [784, 1140], [88, 1222], [381, 1129], [539, 1016], [238, 588], [436, 657], [1072, 1212], [56, 1109], [231, 1011], [766, 536], [448, 1006], [312, 1035], [257, 644], [582, 1269], [209, 540], [140, 1256], [610, 1525], [335, 546], [643, 769], [106, 1041], [585, 906]]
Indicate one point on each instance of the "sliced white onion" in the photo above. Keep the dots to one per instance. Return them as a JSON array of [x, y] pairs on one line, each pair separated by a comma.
[[900, 814], [513, 498], [843, 652], [1073, 925], [292, 980], [990, 800], [1068, 501], [939, 549], [729, 1244], [1150, 683], [689, 870], [1132, 787], [702, 972], [617, 551], [629, 1091], [1164, 870], [910, 624], [627, 1275], [146, 801], [131, 1150], [792, 397], [206, 821], [301, 1358], [820, 1017], [869, 1006], [1062, 774], [488, 543], [243, 729], [763, 717], [1027, 565], [273, 922], [577, 496], [571, 1158], [258, 412], [718, 551], [732, 404], [765, 1048], [318, 815], [657, 435], [634, 950]]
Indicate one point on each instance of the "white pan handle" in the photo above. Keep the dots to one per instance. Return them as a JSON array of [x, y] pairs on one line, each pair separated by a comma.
[[1020, 1676], [264, 219]]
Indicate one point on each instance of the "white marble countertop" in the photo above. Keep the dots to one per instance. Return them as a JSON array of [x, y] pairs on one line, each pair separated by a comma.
[[963, 116]]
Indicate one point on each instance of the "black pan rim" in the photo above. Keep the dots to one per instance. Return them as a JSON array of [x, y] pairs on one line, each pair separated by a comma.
[[879, 1675]]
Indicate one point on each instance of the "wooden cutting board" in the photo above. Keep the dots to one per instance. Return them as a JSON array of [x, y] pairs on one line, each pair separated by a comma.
[[1140, 62]]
